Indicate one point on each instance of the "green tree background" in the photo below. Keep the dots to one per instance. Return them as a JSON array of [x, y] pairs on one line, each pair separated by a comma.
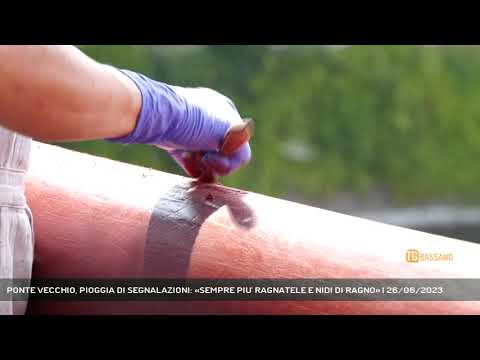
[[404, 117]]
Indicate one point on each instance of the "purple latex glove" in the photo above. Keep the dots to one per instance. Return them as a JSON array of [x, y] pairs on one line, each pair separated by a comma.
[[186, 121]]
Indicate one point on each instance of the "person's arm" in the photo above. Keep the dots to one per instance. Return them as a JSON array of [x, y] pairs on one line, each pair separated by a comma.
[[57, 93]]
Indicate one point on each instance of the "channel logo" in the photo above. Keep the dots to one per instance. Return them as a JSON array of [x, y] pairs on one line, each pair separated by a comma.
[[415, 256], [412, 256]]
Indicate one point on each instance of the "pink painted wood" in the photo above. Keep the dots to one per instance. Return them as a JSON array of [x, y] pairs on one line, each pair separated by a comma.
[[96, 218]]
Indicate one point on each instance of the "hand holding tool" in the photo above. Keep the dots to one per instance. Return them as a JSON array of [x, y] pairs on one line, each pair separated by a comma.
[[200, 128]]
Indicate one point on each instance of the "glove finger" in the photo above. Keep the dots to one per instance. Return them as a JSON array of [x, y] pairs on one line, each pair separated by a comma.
[[209, 115], [225, 165]]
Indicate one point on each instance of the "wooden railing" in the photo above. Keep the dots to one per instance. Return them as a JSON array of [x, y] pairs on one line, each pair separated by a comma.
[[97, 218]]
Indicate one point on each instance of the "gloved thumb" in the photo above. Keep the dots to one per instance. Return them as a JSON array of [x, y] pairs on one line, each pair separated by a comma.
[[224, 165]]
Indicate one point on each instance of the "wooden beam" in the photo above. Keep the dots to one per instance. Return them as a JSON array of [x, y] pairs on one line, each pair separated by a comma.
[[97, 218]]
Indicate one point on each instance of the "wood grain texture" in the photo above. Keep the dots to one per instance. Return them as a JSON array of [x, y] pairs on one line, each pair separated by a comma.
[[96, 218]]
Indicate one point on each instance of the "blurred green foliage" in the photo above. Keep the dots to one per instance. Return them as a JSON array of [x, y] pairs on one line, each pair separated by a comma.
[[405, 117]]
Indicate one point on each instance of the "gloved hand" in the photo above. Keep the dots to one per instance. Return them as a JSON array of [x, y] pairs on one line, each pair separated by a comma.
[[186, 122]]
